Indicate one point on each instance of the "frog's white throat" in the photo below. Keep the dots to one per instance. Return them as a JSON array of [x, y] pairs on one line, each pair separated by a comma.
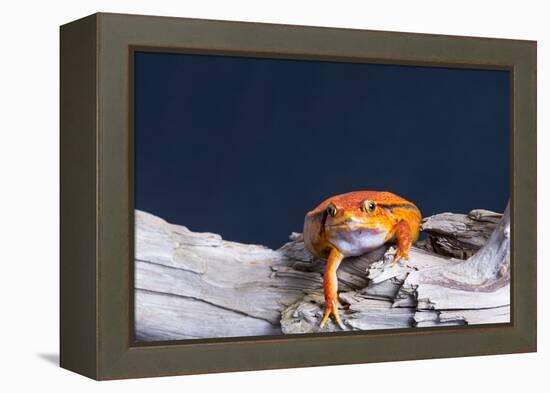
[[356, 241]]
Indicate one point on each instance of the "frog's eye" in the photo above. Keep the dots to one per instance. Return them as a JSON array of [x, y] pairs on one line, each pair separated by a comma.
[[332, 210], [368, 206]]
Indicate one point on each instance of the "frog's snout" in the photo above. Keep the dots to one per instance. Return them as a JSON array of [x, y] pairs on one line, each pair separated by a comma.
[[348, 221]]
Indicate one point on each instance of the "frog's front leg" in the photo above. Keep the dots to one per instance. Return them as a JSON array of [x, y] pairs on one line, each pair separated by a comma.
[[330, 285], [404, 241]]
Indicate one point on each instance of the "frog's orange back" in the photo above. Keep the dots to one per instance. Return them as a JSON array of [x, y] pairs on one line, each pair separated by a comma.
[[351, 200]]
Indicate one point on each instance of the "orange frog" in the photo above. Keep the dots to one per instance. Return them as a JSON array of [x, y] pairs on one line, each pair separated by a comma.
[[354, 223]]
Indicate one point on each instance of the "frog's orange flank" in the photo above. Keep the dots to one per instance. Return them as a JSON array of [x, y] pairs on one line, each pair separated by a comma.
[[354, 223]]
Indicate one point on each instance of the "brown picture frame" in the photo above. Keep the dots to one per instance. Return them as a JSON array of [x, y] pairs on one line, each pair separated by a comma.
[[97, 196]]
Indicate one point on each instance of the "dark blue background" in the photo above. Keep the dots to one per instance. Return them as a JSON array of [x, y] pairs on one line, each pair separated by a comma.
[[244, 147]]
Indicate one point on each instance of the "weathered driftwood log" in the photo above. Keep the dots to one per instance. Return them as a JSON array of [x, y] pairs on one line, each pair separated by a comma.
[[480, 282], [197, 285], [193, 285], [458, 235]]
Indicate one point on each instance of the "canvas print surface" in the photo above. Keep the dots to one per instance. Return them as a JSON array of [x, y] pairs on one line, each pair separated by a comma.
[[279, 196]]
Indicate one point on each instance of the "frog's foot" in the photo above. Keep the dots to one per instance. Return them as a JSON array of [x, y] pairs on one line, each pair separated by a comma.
[[331, 308], [399, 255]]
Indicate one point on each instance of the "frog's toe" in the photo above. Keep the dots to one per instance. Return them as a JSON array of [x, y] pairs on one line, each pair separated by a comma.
[[398, 257], [331, 309]]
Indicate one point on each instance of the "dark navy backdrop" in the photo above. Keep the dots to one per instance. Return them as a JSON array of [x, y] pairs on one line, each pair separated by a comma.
[[245, 147]]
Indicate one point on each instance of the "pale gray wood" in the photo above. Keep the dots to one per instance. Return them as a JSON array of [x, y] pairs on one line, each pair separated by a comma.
[[162, 316], [250, 280], [425, 318], [360, 313], [197, 285], [480, 282], [459, 235]]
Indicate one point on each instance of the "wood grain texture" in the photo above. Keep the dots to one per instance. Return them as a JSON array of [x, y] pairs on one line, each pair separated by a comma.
[[197, 285]]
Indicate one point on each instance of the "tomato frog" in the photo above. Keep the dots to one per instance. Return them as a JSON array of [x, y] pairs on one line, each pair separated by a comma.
[[353, 224]]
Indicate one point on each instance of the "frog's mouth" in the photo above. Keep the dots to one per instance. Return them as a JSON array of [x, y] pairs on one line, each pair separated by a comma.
[[351, 224], [364, 229]]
